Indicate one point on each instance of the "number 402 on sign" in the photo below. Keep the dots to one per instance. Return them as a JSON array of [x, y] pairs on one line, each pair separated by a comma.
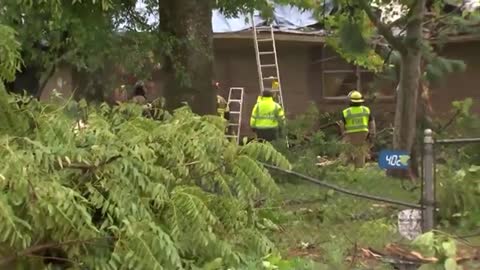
[[392, 159]]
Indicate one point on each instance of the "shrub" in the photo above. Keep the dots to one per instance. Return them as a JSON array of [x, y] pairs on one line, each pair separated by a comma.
[[459, 197], [126, 191], [458, 174]]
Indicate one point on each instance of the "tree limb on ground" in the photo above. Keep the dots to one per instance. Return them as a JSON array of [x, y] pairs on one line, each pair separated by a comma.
[[41, 247], [85, 166]]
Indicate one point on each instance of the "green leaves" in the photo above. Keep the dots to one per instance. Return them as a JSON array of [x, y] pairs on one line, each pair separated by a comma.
[[438, 245], [451, 264], [426, 242], [80, 33], [464, 106], [9, 53], [351, 36], [449, 248], [157, 195], [438, 67], [266, 153], [15, 121]]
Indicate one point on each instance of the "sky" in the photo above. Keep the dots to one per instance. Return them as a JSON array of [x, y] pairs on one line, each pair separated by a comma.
[[291, 18]]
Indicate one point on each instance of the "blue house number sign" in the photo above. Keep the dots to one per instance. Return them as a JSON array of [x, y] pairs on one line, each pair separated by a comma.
[[391, 159]]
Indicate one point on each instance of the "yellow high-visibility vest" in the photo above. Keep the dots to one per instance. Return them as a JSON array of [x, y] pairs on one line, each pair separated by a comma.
[[266, 114], [356, 119]]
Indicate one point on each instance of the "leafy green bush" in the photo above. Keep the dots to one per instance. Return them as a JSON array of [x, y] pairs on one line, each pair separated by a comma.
[[458, 173], [439, 245], [9, 54], [275, 261], [305, 126], [307, 141], [459, 197], [464, 124], [127, 191]]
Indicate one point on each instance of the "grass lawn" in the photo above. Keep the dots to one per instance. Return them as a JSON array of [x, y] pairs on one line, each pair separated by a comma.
[[328, 227]]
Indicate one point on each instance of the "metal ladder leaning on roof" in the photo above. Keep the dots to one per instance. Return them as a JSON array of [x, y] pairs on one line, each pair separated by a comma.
[[235, 104], [267, 72], [261, 65]]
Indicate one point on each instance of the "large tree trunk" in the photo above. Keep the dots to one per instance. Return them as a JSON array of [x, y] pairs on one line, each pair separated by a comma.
[[410, 75], [190, 63]]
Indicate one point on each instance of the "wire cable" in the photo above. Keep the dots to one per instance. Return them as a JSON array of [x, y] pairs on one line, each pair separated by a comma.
[[343, 190]]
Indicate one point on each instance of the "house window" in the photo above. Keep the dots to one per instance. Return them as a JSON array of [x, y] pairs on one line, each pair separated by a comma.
[[340, 77]]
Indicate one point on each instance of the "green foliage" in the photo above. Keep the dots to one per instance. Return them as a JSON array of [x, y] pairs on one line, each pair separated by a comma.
[[438, 245], [467, 123], [9, 63], [130, 191], [327, 226], [458, 176], [275, 261], [14, 117], [369, 59], [311, 134], [83, 34], [232, 8], [355, 30], [9, 54], [47, 21], [350, 37], [458, 197], [87, 35], [439, 66]]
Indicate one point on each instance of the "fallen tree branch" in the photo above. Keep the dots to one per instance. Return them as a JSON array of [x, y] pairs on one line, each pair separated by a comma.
[[299, 202], [38, 248], [471, 235], [51, 258], [343, 190], [85, 166], [449, 122], [331, 124]]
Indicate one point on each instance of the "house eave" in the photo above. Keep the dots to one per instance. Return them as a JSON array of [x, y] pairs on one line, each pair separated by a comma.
[[315, 38], [283, 37], [457, 39]]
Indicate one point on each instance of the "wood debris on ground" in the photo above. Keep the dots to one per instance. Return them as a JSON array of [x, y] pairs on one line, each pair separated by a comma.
[[323, 161], [305, 249], [405, 258]]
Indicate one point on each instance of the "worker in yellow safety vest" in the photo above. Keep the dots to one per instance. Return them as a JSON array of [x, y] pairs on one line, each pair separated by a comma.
[[223, 109], [267, 118], [358, 128], [275, 87]]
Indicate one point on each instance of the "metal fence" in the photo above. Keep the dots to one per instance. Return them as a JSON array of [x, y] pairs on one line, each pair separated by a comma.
[[428, 174]]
